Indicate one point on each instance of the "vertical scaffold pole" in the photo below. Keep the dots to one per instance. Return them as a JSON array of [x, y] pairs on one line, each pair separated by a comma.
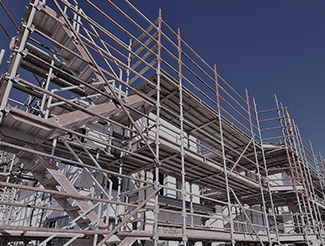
[[46, 87], [314, 197], [233, 242], [300, 180], [317, 165], [306, 168], [306, 172], [321, 172], [300, 167], [17, 58], [181, 118], [118, 195], [129, 59], [285, 140], [266, 174], [2, 54], [157, 140], [257, 166], [301, 164]]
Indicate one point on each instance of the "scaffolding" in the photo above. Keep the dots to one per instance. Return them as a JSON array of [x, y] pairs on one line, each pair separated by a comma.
[[114, 131]]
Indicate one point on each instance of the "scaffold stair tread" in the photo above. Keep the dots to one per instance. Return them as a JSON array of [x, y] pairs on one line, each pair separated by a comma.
[[128, 241], [50, 182], [72, 208]]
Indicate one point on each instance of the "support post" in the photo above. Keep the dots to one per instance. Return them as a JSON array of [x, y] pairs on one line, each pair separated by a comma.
[[17, 59], [285, 140], [181, 119], [301, 167], [118, 195], [129, 60], [315, 203], [224, 160], [2, 54], [266, 174], [157, 140], [47, 84], [258, 167]]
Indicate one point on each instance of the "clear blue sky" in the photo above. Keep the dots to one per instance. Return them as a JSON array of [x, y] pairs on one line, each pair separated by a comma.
[[274, 46]]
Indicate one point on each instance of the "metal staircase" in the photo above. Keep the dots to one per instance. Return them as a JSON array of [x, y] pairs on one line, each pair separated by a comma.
[[50, 177]]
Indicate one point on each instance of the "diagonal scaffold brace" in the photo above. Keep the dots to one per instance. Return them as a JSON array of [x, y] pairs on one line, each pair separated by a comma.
[[142, 204]]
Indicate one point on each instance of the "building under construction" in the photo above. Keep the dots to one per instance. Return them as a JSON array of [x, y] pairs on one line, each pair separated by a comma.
[[114, 131]]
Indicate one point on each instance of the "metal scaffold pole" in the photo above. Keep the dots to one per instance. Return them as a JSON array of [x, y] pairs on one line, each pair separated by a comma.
[[224, 160], [314, 196], [182, 152], [300, 178], [319, 177], [2, 54], [17, 59], [157, 134], [258, 167], [307, 173], [286, 139], [266, 174], [301, 163]]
